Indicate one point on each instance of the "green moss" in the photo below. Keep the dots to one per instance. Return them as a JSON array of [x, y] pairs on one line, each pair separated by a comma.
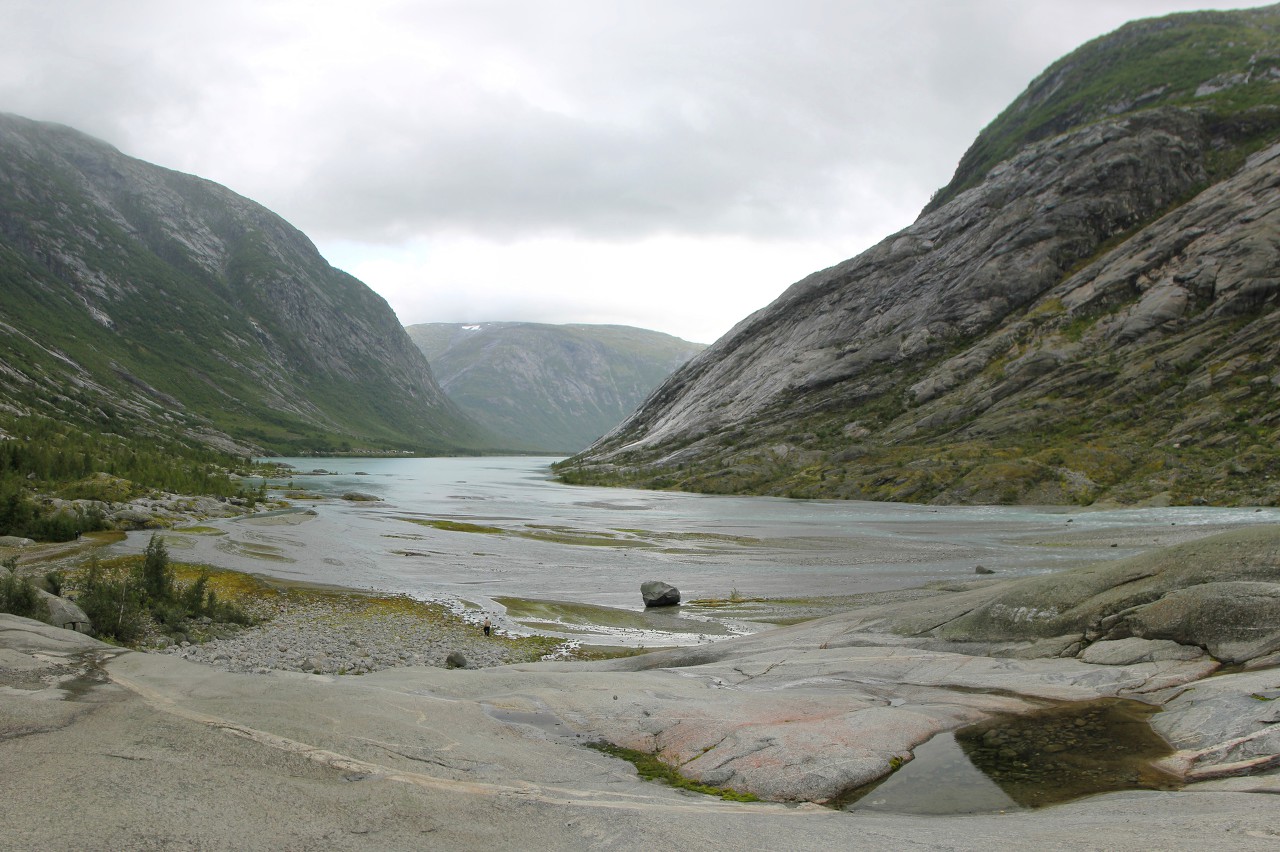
[[651, 768]]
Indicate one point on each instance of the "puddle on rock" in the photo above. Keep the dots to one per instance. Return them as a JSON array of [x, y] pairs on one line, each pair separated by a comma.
[[542, 720], [1029, 760]]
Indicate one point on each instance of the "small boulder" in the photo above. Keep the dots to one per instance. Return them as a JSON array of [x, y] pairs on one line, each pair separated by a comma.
[[455, 660], [658, 593], [982, 569]]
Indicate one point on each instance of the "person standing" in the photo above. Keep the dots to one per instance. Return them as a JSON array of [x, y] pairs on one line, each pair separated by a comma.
[[488, 626]]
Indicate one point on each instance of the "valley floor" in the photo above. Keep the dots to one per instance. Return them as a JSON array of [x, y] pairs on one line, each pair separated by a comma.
[[111, 749]]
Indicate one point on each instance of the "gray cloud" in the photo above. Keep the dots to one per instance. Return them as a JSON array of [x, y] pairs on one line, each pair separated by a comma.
[[441, 149], [605, 119]]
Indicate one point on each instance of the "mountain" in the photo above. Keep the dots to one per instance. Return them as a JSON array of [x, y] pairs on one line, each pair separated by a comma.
[[142, 301], [1086, 313], [549, 387]]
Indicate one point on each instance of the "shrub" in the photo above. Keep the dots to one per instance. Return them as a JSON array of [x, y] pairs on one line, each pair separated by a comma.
[[20, 515], [125, 601], [113, 600], [19, 597]]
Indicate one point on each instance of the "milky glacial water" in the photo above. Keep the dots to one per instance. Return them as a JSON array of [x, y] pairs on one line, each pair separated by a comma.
[[542, 539]]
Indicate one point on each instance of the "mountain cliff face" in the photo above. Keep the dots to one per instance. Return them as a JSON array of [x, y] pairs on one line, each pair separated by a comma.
[[1089, 318], [553, 388], [140, 300]]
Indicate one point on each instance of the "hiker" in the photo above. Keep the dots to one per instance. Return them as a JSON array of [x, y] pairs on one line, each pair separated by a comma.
[[488, 626]]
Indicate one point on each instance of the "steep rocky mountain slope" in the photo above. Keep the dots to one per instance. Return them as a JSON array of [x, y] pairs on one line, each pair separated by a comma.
[[142, 301], [1086, 313], [549, 387]]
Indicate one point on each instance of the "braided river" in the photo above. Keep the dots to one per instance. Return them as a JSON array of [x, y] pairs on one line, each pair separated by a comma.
[[483, 533]]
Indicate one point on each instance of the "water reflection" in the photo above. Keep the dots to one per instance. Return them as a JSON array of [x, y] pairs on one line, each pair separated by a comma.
[[1031, 760], [1063, 753], [940, 780]]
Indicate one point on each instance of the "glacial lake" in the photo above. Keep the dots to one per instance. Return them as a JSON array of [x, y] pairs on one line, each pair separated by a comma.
[[468, 530]]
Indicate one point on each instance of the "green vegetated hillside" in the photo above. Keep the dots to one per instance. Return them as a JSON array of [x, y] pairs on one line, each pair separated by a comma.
[[1087, 313], [158, 307], [553, 388], [1222, 62]]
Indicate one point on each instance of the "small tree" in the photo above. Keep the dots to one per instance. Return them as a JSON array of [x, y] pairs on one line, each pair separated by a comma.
[[113, 602], [193, 598], [156, 574]]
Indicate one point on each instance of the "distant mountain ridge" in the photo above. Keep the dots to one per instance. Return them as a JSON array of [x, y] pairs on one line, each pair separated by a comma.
[[1087, 313], [140, 300], [553, 388]]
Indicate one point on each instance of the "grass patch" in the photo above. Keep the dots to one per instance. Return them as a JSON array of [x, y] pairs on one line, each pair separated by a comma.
[[731, 601], [650, 768], [265, 597], [455, 526], [585, 653], [568, 535], [552, 534]]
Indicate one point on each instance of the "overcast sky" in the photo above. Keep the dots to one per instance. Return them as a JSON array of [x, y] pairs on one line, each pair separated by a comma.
[[669, 164]]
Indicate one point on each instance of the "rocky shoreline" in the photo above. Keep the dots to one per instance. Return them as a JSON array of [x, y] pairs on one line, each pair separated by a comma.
[[353, 634]]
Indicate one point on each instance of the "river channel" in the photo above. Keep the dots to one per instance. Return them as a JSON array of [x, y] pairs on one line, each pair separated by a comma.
[[476, 531]]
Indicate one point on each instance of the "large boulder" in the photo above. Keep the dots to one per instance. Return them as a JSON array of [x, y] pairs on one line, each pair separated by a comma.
[[65, 613], [658, 593]]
